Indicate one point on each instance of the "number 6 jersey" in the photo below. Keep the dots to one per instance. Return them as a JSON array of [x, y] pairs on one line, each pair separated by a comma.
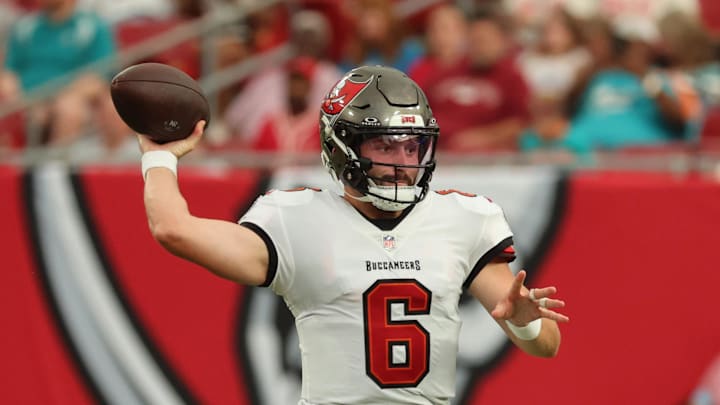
[[376, 310]]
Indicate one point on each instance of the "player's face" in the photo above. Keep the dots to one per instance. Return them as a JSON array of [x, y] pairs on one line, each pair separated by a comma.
[[393, 150]]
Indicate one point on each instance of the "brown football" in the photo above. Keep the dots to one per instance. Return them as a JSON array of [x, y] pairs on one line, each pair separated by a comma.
[[159, 101]]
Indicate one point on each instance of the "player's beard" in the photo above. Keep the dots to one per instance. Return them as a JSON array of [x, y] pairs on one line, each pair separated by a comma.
[[401, 178]]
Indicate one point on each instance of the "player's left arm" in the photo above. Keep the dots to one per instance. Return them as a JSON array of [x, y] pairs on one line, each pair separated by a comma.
[[507, 299]]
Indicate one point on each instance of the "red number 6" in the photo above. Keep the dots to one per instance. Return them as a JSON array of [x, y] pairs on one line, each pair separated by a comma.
[[397, 353]]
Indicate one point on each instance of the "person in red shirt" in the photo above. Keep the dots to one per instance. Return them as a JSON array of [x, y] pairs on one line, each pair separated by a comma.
[[446, 41], [482, 104], [294, 128]]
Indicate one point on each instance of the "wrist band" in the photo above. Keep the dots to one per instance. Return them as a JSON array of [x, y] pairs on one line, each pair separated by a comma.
[[158, 158], [527, 332]]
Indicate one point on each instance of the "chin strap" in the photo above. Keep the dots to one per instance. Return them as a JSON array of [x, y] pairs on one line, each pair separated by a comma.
[[403, 192]]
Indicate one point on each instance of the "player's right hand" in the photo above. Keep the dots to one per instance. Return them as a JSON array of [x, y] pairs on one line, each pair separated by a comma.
[[178, 148]]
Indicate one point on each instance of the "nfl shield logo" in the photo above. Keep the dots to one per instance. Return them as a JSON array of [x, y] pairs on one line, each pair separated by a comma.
[[389, 242]]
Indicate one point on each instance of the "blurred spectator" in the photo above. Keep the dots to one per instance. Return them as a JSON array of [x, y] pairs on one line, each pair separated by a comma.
[[231, 48], [12, 131], [446, 39], [292, 128], [631, 104], [550, 67], [266, 92], [600, 41], [690, 52], [310, 34], [379, 38], [554, 60], [338, 20], [268, 27], [10, 126], [9, 87], [528, 16], [602, 45], [483, 103], [109, 140], [56, 41], [191, 9]]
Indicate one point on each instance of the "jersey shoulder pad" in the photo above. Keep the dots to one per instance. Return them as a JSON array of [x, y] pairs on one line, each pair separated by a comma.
[[291, 197], [469, 201]]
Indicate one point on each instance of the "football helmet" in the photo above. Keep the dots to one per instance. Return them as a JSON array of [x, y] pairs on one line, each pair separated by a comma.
[[372, 101]]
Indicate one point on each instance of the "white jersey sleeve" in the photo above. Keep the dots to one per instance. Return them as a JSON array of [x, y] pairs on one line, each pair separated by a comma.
[[490, 233], [267, 218]]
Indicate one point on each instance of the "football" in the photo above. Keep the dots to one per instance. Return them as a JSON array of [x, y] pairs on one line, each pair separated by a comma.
[[159, 101]]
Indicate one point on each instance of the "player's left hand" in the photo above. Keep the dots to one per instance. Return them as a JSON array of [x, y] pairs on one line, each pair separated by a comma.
[[522, 306]]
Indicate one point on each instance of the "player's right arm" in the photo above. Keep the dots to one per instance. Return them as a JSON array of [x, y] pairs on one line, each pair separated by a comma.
[[225, 248]]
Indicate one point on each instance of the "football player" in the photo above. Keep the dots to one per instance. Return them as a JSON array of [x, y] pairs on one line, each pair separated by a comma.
[[373, 271]]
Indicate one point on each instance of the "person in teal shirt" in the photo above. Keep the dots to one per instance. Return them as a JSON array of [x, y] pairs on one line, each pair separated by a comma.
[[618, 111], [629, 104], [60, 41], [56, 41]]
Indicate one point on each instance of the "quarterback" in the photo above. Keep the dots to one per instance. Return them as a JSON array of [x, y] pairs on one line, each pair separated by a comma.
[[373, 271]]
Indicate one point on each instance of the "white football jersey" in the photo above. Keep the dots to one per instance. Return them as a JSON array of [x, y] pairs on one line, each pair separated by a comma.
[[376, 311]]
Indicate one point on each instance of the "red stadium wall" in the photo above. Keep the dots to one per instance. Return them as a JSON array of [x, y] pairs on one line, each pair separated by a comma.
[[636, 260], [634, 255], [36, 367]]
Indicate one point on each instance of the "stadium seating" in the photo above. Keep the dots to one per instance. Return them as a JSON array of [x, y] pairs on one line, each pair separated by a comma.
[[184, 56]]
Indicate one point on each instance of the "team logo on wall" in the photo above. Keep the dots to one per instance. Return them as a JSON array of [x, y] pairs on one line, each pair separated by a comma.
[[118, 360]]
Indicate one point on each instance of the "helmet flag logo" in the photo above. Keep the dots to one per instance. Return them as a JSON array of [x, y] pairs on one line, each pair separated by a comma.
[[341, 95]]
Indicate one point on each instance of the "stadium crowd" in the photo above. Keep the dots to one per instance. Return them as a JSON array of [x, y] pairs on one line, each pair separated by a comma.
[[512, 75]]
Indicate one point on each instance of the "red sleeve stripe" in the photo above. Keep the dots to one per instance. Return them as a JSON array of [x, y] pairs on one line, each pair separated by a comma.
[[490, 255]]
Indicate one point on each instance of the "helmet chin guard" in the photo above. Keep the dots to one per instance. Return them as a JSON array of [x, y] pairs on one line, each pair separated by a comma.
[[369, 102], [389, 198]]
